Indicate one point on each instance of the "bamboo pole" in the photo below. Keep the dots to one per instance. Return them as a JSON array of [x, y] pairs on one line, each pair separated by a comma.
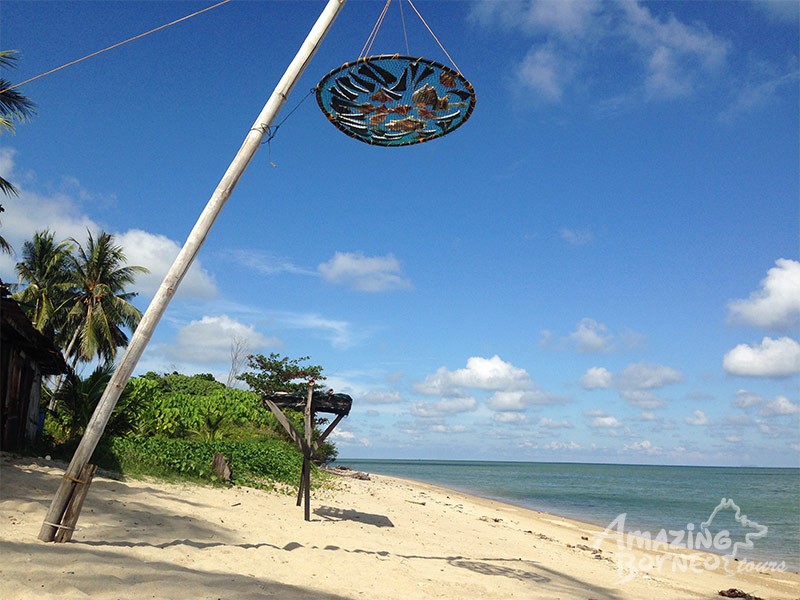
[[186, 256]]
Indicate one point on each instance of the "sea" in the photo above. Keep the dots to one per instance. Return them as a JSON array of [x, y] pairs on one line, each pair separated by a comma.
[[754, 511]]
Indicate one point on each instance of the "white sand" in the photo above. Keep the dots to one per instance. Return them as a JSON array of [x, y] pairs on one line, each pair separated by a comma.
[[380, 539]]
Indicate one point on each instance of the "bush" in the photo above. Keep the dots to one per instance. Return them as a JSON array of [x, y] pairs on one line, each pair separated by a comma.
[[252, 461]]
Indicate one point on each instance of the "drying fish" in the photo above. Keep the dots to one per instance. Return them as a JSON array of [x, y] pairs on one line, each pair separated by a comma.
[[426, 113], [401, 109], [426, 96], [407, 124], [366, 108], [447, 79], [377, 119]]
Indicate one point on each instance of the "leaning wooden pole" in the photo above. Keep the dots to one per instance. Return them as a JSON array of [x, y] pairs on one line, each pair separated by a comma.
[[141, 337]]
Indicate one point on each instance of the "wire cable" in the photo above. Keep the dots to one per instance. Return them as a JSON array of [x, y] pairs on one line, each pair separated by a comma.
[[117, 45]]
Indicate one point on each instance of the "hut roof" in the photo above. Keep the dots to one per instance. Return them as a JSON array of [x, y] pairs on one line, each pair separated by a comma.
[[16, 328], [321, 402]]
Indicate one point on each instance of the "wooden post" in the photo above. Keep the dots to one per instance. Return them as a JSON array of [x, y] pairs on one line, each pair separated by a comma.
[[78, 495], [186, 256], [309, 427]]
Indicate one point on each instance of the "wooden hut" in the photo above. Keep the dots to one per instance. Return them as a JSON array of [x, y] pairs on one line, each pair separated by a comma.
[[25, 357]]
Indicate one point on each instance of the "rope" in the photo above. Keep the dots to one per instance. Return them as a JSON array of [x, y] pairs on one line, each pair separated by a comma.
[[434, 37], [117, 45], [373, 34], [272, 131], [403, 20]]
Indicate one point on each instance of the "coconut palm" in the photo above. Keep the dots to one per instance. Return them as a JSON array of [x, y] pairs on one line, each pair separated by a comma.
[[45, 272], [100, 307], [13, 107]]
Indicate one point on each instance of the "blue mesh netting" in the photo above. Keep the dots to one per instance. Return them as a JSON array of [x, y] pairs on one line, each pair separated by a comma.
[[392, 100]]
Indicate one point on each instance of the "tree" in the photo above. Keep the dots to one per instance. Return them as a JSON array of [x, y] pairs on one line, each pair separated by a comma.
[[13, 107], [45, 269], [100, 307], [278, 373], [239, 354]]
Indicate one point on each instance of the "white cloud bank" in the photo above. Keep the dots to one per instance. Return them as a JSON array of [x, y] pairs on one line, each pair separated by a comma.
[[61, 213], [776, 304], [771, 358], [673, 57], [512, 387]]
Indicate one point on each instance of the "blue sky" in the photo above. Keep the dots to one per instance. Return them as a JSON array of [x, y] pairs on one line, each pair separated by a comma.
[[601, 265]]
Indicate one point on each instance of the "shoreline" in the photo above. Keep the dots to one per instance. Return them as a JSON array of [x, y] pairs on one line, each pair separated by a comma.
[[573, 519], [386, 537]]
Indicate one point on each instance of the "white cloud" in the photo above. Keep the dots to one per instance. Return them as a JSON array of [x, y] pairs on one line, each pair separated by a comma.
[[157, 253], [776, 305], [555, 445], [382, 397], [482, 373], [644, 446], [444, 407], [576, 237], [780, 405], [364, 273], [338, 332], [571, 37], [208, 340], [753, 95], [520, 399], [439, 428], [552, 424], [343, 437], [698, 417], [746, 400], [644, 399], [772, 358], [678, 55], [606, 422], [643, 376], [591, 337], [546, 71], [61, 213], [265, 263], [596, 378], [509, 417], [569, 19], [779, 10]]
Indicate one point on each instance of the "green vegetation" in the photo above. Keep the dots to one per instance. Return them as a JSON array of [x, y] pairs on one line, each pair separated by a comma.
[[165, 425], [172, 425]]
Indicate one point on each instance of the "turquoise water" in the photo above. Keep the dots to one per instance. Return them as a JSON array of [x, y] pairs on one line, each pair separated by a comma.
[[652, 497]]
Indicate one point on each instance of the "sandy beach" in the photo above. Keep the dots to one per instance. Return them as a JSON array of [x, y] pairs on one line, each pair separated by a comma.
[[383, 538]]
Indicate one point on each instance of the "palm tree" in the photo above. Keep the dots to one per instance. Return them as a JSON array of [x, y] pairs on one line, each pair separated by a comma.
[[13, 107], [44, 269], [100, 307]]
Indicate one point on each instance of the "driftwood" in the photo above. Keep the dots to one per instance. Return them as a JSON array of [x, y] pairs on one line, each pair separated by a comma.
[[348, 472]]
